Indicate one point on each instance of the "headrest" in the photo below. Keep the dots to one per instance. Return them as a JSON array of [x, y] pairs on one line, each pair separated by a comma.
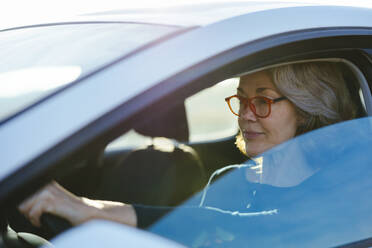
[[170, 124]]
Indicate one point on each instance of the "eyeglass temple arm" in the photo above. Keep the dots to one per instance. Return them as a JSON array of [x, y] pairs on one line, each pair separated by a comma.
[[279, 99]]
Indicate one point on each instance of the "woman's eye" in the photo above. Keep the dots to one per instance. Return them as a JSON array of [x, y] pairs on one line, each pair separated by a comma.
[[260, 101]]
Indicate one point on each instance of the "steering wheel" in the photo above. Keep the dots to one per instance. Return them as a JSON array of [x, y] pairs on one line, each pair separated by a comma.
[[53, 224]]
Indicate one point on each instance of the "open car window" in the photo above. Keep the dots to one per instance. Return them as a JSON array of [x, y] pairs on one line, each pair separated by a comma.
[[299, 193], [312, 191]]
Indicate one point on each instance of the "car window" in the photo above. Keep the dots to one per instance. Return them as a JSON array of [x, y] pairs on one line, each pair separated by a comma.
[[74, 50], [207, 114], [312, 191]]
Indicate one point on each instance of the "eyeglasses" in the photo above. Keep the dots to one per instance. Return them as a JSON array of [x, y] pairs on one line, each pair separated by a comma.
[[259, 105]]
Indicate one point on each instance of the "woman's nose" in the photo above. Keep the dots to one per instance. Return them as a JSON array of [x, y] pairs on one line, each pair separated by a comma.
[[247, 114]]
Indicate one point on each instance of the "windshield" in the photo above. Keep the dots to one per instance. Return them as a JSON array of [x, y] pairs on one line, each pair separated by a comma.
[[312, 191], [39, 60]]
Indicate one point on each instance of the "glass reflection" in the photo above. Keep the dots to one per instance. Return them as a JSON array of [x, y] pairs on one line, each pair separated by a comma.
[[313, 191]]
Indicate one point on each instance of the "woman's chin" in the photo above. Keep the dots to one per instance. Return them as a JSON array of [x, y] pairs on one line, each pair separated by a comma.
[[254, 152], [251, 153]]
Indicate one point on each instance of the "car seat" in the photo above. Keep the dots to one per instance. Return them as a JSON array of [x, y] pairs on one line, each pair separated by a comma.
[[162, 174]]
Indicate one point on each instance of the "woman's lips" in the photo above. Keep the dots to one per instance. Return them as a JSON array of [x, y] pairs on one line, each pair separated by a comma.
[[251, 135]]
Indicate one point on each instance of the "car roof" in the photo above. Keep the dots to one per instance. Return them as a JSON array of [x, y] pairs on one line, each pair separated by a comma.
[[192, 15], [183, 15]]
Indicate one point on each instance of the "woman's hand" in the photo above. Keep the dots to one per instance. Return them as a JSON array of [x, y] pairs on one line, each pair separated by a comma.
[[56, 200]]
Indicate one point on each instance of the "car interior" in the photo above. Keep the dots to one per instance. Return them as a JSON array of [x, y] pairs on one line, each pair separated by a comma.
[[171, 162]]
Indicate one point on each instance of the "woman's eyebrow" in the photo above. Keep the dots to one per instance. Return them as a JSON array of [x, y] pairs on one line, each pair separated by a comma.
[[260, 90]]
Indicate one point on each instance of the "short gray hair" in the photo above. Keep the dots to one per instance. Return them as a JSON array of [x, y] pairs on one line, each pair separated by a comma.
[[318, 90]]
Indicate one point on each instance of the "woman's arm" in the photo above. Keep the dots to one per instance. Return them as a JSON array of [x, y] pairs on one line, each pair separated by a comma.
[[56, 200]]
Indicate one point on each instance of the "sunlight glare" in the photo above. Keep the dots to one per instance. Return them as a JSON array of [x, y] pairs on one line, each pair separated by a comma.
[[24, 81]]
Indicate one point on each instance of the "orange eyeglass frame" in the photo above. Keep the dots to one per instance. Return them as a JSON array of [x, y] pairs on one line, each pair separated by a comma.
[[248, 101]]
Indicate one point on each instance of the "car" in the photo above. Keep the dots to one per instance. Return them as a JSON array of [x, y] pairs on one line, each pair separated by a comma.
[[129, 105]]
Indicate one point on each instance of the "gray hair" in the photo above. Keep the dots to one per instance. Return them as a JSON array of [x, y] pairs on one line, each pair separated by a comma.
[[318, 90]]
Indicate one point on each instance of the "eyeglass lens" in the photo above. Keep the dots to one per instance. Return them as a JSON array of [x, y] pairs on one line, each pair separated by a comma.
[[258, 105]]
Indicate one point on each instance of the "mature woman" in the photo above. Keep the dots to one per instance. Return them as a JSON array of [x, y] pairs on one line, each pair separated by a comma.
[[273, 106]]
